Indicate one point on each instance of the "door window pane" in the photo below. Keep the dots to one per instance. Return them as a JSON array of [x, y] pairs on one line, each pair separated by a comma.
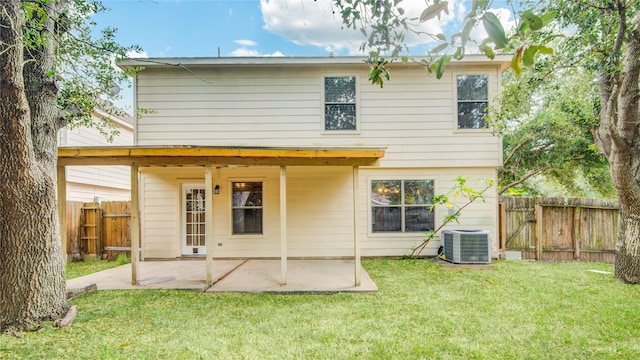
[[194, 217]]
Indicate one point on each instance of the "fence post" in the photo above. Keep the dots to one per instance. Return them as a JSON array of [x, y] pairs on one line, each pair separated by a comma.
[[576, 233], [539, 230], [503, 230]]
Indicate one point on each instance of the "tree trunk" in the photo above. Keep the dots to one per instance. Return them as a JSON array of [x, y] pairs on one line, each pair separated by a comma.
[[618, 136], [627, 264], [32, 279]]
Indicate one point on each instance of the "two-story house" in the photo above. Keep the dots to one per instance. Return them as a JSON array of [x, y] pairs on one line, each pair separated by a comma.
[[301, 157]]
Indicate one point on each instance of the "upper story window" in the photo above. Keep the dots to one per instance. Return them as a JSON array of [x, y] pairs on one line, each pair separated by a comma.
[[340, 103], [247, 207], [473, 98]]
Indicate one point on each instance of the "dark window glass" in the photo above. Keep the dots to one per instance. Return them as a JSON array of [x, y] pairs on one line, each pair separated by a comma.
[[340, 103], [402, 205], [473, 99], [247, 207]]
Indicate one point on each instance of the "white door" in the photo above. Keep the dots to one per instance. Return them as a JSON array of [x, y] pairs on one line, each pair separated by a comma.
[[193, 210]]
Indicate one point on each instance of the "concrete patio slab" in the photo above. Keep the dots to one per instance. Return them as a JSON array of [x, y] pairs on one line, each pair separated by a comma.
[[303, 276], [183, 274]]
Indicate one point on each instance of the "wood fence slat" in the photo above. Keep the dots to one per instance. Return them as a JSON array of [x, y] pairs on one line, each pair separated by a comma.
[[540, 228], [539, 231], [565, 229], [116, 217]]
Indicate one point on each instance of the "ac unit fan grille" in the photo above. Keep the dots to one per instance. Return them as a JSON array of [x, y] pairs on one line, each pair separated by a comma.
[[473, 247]]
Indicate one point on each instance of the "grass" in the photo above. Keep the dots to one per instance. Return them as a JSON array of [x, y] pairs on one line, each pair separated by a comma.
[[89, 266], [518, 310]]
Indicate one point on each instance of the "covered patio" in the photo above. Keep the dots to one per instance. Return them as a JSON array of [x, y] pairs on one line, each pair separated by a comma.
[[215, 274], [249, 275]]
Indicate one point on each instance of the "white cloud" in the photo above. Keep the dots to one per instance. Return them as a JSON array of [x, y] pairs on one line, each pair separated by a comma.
[[245, 42], [244, 52], [319, 23], [309, 23], [137, 54]]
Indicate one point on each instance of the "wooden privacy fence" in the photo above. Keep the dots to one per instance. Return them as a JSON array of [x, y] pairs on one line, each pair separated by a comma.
[[559, 229], [537, 228], [98, 230]]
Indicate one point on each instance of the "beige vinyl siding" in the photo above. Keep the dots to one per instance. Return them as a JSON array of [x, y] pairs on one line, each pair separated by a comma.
[[160, 209], [319, 211], [161, 212], [90, 193], [413, 116], [84, 183]]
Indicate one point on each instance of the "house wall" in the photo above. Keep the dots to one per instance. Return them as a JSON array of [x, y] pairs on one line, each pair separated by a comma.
[[413, 116], [319, 211], [84, 183]]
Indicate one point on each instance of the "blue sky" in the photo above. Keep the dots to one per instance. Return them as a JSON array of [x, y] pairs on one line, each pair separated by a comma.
[[198, 28], [186, 28]]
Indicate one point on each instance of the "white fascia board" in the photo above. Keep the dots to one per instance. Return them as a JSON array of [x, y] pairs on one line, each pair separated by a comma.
[[502, 60]]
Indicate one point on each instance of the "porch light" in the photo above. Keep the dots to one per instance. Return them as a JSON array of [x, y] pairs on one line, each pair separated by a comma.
[[216, 190]]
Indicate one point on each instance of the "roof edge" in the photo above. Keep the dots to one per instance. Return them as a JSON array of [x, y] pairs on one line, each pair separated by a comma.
[[501, 60]]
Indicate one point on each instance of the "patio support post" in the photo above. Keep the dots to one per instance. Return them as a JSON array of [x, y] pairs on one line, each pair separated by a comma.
[[356, 236], [61, 184], [283, 224], [135, 225], [208, 221]]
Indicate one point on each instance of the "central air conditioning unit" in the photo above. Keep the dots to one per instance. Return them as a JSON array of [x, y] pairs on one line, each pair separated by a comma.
[[467, 246]]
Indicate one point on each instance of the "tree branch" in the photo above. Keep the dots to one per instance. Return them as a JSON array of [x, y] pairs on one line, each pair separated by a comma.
[[515, 149], [522, 179], [629, 89]]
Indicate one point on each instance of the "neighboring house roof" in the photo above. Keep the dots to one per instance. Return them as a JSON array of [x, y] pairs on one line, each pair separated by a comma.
[[115, 115], [502, 60]]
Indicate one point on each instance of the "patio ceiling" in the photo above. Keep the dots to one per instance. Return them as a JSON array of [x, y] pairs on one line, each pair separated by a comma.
[[202, 155]]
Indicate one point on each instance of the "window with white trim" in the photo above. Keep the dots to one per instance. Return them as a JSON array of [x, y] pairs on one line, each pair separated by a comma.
[[473, 99], [246, 206], [340, 103], [402, 205]]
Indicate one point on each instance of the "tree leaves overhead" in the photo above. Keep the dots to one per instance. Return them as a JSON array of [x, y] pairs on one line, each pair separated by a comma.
[[545, 119], [495, 30], [435, 10], [384, 23]]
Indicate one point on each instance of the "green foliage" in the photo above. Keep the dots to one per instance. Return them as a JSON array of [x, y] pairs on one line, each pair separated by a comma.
[[460, 191], [494, 29], [122, 259], [384, 23], [545, 118], [83, 64]]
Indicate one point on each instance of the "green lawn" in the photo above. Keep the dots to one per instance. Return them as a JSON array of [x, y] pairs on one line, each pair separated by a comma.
[[89, 266], [518, 310]]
